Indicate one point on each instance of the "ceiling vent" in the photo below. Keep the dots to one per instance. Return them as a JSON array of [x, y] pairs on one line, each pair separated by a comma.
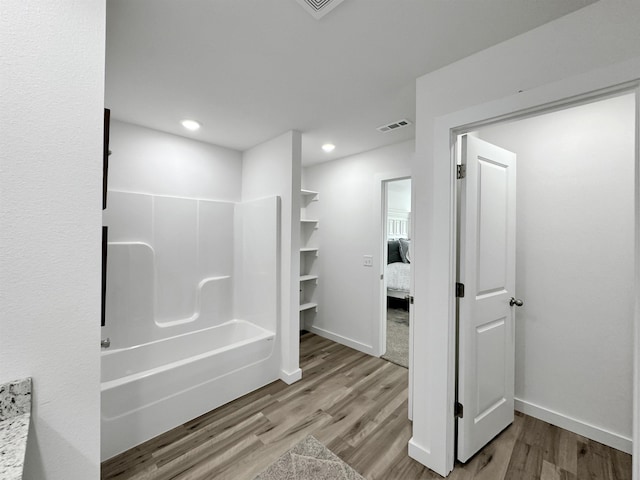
[[394, 125], [319, 8]]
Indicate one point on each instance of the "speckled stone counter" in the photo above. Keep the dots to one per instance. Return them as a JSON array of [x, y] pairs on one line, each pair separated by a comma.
[[15, 412]]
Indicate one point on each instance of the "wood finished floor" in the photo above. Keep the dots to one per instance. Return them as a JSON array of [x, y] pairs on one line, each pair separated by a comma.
[[357, 406]]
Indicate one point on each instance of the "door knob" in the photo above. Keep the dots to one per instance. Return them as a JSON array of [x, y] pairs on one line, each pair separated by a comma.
[[516, 301]]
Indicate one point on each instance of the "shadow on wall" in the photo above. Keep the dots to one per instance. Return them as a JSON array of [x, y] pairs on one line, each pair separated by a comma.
[[41, 434]]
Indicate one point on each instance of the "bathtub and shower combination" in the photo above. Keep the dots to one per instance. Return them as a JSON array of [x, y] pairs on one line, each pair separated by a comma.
[[191, 311]]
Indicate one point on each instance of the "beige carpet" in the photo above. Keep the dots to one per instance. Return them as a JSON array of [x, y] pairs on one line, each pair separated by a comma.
[[309, 460], [397, 337]]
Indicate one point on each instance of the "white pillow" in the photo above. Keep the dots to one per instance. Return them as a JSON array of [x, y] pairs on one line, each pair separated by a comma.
[[405, 250]]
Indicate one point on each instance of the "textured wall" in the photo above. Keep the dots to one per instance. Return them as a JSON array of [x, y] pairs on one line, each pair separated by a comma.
[[52, 70]]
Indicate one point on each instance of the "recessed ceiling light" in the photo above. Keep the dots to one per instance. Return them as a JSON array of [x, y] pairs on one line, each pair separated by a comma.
[[191, 125], [328, 147]]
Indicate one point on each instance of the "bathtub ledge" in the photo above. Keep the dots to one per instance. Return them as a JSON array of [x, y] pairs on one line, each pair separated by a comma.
[[15, 414]]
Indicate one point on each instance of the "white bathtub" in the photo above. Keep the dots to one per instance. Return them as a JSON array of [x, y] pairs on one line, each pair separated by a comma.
[[150, 388]]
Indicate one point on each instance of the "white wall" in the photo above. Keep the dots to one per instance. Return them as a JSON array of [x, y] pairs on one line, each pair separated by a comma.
[[399, 195], [273, 168], [546, 64], [350, 214], [149, 161], [575, 230], [51, 101]]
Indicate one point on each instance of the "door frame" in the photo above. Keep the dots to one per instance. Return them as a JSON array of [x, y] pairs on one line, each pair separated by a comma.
[[380, 294], [548, 98], [384, 206]]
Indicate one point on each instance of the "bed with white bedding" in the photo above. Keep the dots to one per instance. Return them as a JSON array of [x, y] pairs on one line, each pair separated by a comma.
[[398, 269], [398, 279]]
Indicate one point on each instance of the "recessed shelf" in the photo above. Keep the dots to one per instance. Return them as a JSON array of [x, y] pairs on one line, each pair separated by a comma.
[[308, 306], [308, 255]]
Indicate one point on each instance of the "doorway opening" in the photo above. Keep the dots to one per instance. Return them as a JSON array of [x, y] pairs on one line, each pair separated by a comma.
[[571, 343], [396, 259]]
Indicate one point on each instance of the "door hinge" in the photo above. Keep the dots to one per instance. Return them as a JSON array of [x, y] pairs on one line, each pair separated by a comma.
[[458, 410], [461, 171], [459, 290], [409, 298]]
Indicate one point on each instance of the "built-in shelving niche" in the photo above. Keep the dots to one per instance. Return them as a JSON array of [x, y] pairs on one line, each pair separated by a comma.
[[309, 252]]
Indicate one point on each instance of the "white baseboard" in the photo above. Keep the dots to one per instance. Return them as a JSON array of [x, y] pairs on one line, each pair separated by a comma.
[[361, 347], [576, 426], [290, 377]]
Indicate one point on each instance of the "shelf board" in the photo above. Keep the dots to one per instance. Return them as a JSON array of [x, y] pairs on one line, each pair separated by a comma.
[[306, 278], [308, 193], [308, 306], [309, 249]]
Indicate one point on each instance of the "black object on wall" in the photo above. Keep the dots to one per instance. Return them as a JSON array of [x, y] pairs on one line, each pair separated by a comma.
[[105, 238], [105, 230], [105, 156]]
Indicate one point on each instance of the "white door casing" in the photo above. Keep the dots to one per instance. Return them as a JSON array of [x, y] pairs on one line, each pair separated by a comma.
[[487, 270], [380, 208], [433, 441]]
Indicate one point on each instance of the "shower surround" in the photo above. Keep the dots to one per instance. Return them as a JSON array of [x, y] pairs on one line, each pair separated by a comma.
[[191, 310]]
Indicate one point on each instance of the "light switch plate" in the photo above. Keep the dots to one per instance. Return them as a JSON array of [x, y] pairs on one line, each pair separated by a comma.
[[368, 261]]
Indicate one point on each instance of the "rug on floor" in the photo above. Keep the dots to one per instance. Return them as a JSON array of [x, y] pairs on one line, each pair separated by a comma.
[[397, 337], [309, 460]]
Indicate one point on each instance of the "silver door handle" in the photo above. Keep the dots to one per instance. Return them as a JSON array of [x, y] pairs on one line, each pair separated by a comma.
[[516, 301]]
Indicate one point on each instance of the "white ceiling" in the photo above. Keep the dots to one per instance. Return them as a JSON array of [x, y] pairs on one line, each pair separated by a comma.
[[249, 70]]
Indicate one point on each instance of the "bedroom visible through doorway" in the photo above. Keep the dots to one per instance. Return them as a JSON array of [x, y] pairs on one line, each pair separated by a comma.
[[397, 271]]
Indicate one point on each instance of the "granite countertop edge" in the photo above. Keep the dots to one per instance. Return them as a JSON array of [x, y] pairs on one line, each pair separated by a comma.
[[15, 416]]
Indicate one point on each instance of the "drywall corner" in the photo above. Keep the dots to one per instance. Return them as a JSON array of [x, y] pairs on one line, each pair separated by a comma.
[[273, 168]]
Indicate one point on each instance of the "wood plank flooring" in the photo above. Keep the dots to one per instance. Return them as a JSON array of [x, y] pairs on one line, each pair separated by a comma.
[[357, 406]]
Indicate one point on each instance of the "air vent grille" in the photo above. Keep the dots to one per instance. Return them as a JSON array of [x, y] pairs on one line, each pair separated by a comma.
[[319, 8], [394, 125], [317, 5]]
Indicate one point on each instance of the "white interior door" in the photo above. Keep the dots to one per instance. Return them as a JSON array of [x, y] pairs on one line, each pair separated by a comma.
[[487, 271]]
